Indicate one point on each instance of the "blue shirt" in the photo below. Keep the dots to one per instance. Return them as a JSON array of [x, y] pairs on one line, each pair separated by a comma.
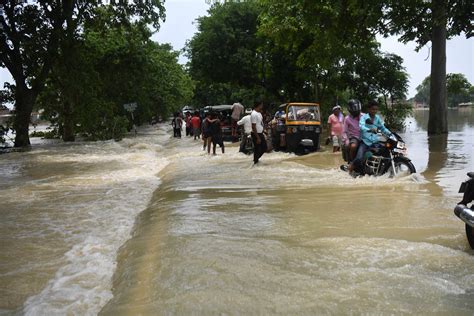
[[368, 137]]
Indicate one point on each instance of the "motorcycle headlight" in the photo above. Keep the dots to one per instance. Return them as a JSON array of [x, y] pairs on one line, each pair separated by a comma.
[[401, 145]]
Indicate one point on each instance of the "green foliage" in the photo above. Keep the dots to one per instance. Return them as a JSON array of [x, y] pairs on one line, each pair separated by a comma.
[[38, 36], [432, 21], [283, 50], [51, 134], [334, 50], [4, 129], [395, 114], [112, 65], [413, 20], [225, 60], [458, 87], [423, 91]]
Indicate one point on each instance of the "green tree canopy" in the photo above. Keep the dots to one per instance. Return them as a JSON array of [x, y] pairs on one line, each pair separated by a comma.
[[292, 51], [458, 89], [334, 45], [432, 21], [114, 64], [32, 33], [225, 60]]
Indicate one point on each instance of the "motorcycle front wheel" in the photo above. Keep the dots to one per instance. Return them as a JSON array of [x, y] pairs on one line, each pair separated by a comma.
[[403, 167], [470, 235]]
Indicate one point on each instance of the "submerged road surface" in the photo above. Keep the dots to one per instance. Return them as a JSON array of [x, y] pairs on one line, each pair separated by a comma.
[[214, 235]]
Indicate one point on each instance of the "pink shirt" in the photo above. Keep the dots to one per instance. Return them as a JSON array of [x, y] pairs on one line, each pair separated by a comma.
[[351, 127], [336, 125]]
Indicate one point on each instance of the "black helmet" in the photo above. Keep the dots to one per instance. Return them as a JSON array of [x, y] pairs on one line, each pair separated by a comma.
[[354, 107]]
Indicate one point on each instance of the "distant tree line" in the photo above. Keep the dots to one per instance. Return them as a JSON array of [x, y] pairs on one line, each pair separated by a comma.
[[459, 90], [80, 61]]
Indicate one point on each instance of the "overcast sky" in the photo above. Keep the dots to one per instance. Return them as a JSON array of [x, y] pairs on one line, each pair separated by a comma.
[[180, 26]]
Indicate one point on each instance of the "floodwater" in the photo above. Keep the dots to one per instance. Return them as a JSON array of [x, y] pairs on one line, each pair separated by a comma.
[[152, 225]]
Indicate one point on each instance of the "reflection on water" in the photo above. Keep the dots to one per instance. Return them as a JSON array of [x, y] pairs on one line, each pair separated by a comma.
[[449, 156], [294, 235]]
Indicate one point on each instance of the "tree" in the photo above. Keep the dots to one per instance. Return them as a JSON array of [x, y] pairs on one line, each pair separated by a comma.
[[32, 34], [224, 53], [116, 64], [334, 46], [458, 90], [423, 91], [435, 21]]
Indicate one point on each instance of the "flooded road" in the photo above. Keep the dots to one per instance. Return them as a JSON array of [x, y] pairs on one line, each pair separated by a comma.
[[212, 235]]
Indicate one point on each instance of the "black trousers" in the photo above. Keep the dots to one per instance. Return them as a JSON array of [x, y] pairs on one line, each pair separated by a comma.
[[259, 149]]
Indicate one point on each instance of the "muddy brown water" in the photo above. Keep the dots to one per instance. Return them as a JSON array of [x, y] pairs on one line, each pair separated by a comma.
[[152, 225]]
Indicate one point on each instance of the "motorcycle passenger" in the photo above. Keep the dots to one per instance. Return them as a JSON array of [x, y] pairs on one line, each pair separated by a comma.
[[351, 131], [369, 124]]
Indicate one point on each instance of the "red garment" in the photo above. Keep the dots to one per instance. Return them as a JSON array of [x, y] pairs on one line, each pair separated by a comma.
[[196, 122], [188, 121]]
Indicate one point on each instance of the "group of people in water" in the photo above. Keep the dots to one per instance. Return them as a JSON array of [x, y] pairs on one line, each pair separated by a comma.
[[207, 128], [356, 132]]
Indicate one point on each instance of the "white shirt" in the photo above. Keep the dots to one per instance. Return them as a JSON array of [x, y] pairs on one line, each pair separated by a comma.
[[257, 119], [246, 122], [237, 110]]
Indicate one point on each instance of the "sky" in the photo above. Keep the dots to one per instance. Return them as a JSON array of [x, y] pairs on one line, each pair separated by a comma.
[[180, 25]]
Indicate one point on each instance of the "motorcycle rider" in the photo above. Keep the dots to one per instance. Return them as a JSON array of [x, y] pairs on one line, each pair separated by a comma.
[[351, 131], [369, 124]]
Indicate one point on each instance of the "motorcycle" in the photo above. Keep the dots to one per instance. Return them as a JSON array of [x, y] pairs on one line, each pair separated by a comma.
[[465, 213], [389, 154]]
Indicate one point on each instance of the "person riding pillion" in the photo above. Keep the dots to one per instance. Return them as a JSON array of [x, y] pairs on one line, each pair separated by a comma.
[[351, 133]]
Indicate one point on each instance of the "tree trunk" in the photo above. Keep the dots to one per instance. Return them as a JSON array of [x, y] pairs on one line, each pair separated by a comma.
[[24, 101], [438, 119], [68, 124]]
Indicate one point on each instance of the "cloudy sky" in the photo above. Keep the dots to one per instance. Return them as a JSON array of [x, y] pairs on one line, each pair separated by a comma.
[[180, 26]]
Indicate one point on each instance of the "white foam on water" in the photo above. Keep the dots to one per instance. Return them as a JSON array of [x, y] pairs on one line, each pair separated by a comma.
[[98, 227]]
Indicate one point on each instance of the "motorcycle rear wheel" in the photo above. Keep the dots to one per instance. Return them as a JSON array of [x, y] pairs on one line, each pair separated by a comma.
[[470, 235]]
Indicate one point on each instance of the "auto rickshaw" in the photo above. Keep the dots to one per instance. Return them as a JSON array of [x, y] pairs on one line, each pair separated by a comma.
[[297, 128]]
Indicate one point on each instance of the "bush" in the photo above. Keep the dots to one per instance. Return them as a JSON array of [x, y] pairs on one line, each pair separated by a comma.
[[109, 128], [395, 115], [52, 134], [3, 133]]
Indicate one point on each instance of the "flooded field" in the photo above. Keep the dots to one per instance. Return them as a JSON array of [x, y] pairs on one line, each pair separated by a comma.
[[152, 225]]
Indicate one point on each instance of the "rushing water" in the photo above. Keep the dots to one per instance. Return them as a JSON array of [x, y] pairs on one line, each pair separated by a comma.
[[152, 225]]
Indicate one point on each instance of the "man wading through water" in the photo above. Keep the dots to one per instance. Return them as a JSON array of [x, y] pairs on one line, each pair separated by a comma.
[[259, 142]]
